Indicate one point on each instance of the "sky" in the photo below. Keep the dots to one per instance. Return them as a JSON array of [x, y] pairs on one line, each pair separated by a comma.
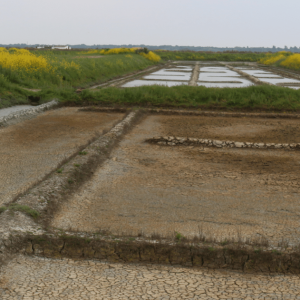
[[219, 23]]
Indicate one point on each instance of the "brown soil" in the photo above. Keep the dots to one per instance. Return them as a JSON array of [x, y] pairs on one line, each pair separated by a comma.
[[224, 193], [234, 129], [33, 148]]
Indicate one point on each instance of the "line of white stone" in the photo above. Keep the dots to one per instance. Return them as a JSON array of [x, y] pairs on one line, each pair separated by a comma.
[[27, 112], [173, 141]]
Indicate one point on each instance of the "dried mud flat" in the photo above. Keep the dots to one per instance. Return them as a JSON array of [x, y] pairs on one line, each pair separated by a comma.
[[255, 130], [48, 279], [224, 193], [33, 148], [154, 189]]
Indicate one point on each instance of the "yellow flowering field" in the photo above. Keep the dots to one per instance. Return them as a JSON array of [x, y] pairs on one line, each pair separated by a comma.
[[272, 59], [44, 68], [21, 59], [292, 62], [284, 59], [150, 55], [22, 64]]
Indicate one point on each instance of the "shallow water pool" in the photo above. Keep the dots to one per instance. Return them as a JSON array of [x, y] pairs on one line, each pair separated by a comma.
[[260, 73], [136, 83], [167, 77], [279, 80], [238, 82], [204, 77]]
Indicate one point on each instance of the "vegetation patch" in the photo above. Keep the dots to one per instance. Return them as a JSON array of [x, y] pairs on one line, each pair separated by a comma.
[[22, 208], [11, 94], [211, 56], [143, 52], [282, 59], [56, 69], [250, 98]]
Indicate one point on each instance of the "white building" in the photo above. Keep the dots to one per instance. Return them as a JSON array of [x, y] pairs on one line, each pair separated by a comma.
[[61, 47]]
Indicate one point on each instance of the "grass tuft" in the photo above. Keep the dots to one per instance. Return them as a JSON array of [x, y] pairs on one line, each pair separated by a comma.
[[3, 209], [178, 236], [22, 208]]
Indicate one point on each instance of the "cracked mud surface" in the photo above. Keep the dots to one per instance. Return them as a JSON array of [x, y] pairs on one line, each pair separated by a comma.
[[156, 189], [33, 148], [45, 279], [234, 129]]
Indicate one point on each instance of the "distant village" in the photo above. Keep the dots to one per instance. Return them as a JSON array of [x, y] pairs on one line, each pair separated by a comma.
[[54, 47], [273, 49]]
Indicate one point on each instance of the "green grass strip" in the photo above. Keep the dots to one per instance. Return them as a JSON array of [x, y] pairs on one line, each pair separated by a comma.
[[211, 56], [254, 97]]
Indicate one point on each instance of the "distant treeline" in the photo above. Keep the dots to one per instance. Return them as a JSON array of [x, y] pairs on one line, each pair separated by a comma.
[[172, 48]]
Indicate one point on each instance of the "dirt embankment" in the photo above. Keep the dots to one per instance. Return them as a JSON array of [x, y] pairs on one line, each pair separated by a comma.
[[178, 254], [32, 149]]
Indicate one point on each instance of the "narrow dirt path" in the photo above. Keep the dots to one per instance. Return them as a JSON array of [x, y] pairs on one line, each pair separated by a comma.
[[195, 75]]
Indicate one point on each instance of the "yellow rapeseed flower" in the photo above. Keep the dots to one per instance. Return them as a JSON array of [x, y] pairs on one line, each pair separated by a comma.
[[292, 61], [28, 64], [269, 60], [151, 56]]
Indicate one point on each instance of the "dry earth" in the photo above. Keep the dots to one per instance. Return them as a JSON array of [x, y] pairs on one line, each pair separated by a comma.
[[224, 193], [45, 279], [32, 149], [236, 129]]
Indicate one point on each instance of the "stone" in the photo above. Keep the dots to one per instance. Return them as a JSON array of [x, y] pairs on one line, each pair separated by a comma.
[[193, 140], [182, 140], [218, 143], [239, 144]]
